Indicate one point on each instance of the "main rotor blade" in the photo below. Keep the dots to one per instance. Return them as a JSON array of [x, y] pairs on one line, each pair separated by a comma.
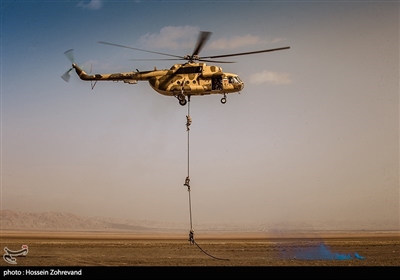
[[245, 53], [162, 59], [122, 46], [155, 59], [203, 38], [216, 61]]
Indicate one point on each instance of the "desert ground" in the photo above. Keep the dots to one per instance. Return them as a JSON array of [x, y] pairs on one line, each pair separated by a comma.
[[116, 249], [373, 255]]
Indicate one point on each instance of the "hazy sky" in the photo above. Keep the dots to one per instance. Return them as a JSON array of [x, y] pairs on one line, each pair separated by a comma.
[[313, 138]]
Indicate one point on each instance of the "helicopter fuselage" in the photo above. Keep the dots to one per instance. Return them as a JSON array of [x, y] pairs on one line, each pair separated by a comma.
[[180, 80], [195, 79]]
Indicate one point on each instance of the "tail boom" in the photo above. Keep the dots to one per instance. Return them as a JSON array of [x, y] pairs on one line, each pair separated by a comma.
[[104, 77], [128, 77]]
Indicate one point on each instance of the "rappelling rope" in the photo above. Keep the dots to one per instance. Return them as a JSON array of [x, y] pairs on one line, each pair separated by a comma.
[[187, 180], [187, 183]]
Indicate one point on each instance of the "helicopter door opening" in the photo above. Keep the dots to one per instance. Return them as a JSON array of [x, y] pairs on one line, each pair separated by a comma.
[[217, 83]]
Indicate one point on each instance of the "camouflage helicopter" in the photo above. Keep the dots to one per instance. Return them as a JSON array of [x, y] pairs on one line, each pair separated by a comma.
[[181, 80]]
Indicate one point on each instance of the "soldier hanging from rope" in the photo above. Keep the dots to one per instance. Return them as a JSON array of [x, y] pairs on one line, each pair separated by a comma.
[[188, 122], [191, 236], [187, 181]]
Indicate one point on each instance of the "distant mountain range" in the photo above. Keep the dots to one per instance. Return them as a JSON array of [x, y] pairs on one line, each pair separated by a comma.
[[15, 220], [56, 221]]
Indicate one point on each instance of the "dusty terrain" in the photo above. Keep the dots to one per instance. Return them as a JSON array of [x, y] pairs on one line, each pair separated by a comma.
[[209, 249], [222, 255]]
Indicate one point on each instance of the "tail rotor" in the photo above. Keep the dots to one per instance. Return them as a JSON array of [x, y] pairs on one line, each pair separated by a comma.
[[70, 55]]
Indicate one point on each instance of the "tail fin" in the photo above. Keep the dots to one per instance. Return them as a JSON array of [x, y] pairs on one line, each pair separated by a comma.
[[81, 73]]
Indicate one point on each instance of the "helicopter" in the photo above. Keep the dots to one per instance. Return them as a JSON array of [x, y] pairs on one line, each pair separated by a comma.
[[194, 77]]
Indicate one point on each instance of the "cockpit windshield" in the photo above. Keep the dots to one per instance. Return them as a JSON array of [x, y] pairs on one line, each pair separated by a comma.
[[234, 80]]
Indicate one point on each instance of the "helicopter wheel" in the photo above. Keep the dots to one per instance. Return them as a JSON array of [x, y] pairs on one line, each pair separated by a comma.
[[182, 99], [223, 100]]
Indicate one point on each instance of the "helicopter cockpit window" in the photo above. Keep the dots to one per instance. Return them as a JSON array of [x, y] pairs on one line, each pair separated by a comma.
[[234, 80]]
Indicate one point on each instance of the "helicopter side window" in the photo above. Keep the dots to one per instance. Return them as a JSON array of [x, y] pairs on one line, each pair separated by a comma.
[[189, 70]]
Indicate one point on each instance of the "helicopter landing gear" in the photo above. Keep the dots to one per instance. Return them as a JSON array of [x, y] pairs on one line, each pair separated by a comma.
[[223, 99], [182, 99], [182, 102]]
